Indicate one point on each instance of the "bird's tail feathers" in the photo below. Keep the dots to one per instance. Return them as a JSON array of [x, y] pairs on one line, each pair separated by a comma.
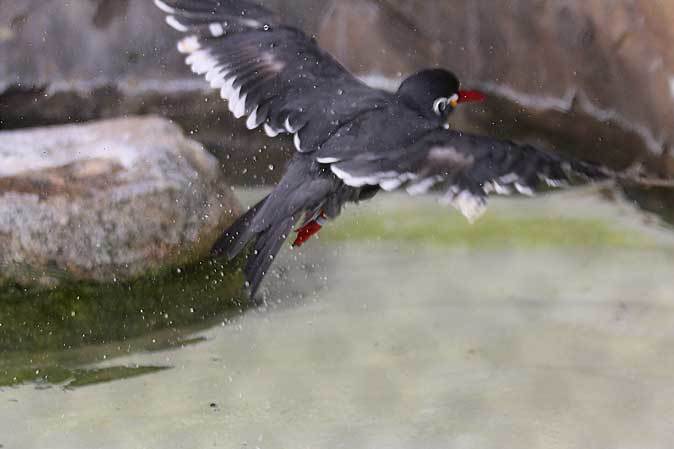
[[267, 243], [267, 246], [237, 236]]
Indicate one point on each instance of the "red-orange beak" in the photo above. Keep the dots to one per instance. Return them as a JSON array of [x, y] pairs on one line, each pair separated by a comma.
[[471, 96]]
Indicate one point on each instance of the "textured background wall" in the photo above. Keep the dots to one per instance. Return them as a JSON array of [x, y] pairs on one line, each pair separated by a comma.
[[592, 77], [608, 59]]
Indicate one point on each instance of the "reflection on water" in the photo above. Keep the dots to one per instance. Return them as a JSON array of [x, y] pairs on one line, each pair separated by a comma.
[[47, 336], [551, 324]]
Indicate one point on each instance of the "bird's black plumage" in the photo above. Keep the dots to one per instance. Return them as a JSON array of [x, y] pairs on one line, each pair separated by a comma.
[[352, 140]]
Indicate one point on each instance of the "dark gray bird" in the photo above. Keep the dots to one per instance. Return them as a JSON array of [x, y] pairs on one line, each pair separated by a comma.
[[352, 140]]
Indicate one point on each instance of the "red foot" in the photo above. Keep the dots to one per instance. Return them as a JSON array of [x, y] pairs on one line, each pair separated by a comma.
[[309, 230]]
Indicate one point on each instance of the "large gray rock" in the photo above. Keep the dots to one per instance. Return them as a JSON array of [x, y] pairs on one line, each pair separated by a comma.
[[106, 201]]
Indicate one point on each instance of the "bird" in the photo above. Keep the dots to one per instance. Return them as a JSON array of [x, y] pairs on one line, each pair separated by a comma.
[[352, 141]]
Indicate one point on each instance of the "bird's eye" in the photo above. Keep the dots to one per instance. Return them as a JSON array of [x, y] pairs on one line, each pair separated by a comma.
[[440, 106]]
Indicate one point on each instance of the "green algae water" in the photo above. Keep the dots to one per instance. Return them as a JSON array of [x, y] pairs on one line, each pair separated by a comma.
[[549, 324], [45, 336]]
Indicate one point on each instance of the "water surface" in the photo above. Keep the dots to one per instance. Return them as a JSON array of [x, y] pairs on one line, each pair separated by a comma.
[[548, 325]]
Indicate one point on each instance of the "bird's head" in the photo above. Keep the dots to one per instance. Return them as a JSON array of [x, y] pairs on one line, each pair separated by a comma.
[[435, 93]]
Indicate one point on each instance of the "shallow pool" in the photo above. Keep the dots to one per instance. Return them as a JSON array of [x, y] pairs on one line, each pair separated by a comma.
[[548, 325]]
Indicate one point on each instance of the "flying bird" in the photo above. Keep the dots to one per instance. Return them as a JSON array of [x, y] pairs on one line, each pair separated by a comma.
[[353, 141]]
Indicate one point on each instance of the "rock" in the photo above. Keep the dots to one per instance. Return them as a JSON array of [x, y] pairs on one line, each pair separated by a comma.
[[106, 201]]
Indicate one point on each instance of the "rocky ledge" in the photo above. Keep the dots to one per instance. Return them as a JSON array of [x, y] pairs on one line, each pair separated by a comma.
[[105, 202]]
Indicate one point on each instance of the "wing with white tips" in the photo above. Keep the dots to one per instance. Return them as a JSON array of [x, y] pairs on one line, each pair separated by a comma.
[[466, 168], [272, 74]]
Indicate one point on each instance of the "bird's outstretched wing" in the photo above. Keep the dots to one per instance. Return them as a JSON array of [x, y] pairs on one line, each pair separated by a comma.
[[273, 74], [466, 168]]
